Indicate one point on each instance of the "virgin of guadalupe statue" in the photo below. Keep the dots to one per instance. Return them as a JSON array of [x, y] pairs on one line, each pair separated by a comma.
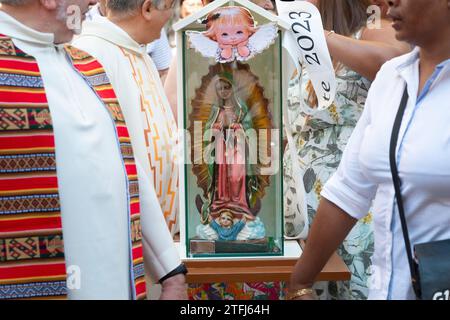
[[232, 183], [230, 102]]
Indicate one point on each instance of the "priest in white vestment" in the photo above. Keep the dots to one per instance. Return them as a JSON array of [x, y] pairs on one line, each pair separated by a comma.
[[92, 190], [119, 43], [159, 50]]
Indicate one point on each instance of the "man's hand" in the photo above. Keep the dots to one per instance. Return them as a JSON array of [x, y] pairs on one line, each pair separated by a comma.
[[174, 288]]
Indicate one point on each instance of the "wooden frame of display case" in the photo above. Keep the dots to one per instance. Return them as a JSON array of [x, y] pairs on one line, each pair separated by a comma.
[[259, 269]]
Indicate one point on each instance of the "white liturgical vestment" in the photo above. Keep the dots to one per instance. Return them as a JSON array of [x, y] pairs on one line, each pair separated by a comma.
[[140, 92], [91, 177]]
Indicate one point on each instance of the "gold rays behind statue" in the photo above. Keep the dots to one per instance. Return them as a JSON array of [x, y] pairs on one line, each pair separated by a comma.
[[248, 89]]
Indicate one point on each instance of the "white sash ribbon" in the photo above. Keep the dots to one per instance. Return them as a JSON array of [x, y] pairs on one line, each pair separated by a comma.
[[306, 42], [306, 45]]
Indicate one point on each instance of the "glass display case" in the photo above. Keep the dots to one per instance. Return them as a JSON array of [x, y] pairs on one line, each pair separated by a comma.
[[230, 111]]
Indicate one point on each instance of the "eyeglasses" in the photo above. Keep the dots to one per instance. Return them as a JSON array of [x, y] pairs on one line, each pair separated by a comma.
[[164, 6]]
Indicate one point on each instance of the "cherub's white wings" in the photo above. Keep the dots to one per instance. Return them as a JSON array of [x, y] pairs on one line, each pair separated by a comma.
[[202, 44], [263, 38]]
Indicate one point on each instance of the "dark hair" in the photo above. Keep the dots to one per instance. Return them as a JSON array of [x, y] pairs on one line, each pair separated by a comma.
[[345, 17]]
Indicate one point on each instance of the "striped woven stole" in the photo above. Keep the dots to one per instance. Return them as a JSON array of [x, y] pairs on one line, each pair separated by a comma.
[[94, 74], [31, 241]]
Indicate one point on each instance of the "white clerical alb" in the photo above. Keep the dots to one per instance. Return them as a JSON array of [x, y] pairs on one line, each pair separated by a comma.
[[141, 96], [92, 184], [92, 180]]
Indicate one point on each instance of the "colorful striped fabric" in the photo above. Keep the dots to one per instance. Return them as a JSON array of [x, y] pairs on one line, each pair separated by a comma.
[[31, 243], [32, 261], [95, 76]]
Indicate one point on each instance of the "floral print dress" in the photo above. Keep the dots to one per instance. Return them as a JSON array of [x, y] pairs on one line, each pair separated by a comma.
[[320, 140]]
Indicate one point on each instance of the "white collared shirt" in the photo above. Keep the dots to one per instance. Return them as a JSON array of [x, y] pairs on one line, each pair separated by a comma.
[[160, 52], [423, 160]]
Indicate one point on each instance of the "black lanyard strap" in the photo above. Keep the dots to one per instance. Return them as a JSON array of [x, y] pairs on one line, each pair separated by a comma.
[[397, 186]]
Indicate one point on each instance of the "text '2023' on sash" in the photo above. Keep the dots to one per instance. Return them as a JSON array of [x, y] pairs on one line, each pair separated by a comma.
[[306, 43]]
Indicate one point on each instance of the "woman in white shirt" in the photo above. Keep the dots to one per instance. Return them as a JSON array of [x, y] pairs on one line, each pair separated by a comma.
[[423, 153]]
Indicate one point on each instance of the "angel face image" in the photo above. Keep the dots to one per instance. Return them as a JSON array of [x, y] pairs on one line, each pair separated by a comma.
[[231, 34], [231, 27]]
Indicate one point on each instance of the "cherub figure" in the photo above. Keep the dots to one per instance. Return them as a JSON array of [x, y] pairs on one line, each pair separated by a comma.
[[231, 34], [231, 28], [225, 227]]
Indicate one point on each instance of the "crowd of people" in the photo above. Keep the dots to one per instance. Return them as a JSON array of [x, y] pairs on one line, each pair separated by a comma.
[[88, 147]]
